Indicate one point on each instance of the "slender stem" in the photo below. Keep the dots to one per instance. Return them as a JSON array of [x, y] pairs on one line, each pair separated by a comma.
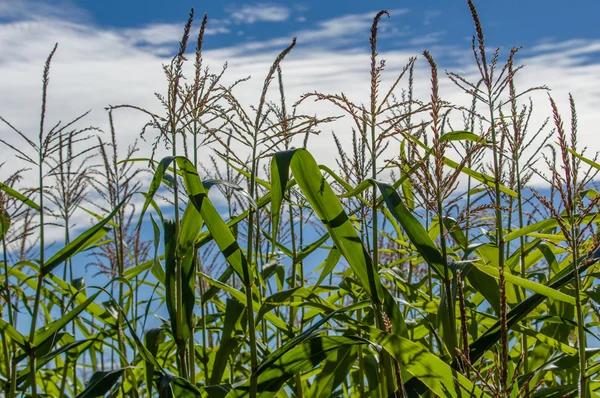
[[451, 332], [204, 329], [9, 369], [250, 284], [40, 279], [252, 336], [361, 361], [63, 381], [500, 245], [521, 257], [581, 337], [191, 356]]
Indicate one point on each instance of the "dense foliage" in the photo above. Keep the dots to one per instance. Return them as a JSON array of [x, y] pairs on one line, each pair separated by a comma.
[[424, 265]]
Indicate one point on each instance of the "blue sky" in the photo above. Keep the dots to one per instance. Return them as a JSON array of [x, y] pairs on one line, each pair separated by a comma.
[[506, 23]]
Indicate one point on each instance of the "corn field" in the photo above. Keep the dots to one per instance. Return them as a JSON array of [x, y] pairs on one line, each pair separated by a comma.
[[424, 264]]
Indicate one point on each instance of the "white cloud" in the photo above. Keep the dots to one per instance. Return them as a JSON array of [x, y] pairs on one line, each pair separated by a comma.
[[262, 12], [31, 9], [430, 15], [350, 26], [160, 34]]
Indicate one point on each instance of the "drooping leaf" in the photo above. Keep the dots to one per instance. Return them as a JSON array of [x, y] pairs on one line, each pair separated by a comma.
[[152, 339], [335, 370], [415, 231], [90, 236], [19, 196], [101, 382], [220, 232], [232, 325], [329, 210], [527, 284]]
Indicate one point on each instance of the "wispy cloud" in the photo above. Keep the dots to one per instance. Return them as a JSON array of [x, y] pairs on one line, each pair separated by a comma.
[[349, 26], [11, 10], [261, 12], [430, 15], [159, 34]]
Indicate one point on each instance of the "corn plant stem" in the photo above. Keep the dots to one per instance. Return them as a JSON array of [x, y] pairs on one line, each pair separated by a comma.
[[387, 375], [202, 304], [361, 359], [118, 231], [69, 266], [181, 346], [6, 281], [262, 291], [581, 337], [447, 275], [249, 284], [500, 245], [9, 369], [252, 338], [430, 289], [63, 381], [40, 279], [292, 314], [191, 356], [204, 329], [521, 257], [511, 209], [6, 358], [301, 262], [13, 377], [361, 362]]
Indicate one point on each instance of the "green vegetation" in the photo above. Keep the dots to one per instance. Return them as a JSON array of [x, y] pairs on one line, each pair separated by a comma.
[[425, 265]]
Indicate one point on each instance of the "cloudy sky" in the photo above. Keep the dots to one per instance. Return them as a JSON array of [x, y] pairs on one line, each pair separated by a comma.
[[111, 52]]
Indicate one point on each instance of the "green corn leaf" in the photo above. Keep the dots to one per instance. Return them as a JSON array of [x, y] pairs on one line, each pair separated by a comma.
[[303, 357], [220, 232], [232, 326], [152, 339], [179, 284], [154, 185], [46, 332], [415, 231], [527, 284], [241, 297], [460, 136], [191, 225], [4, 224], [156, 268], [416, 359], [334, 371], [329, 210], [491, 336], [93, 309], [101, 382], [584, 159], [483, 178], [542, 225], [87, 238], [19, 196], [13, 334], [97, 216], [333, 257], [73, 350], [174, 387]]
